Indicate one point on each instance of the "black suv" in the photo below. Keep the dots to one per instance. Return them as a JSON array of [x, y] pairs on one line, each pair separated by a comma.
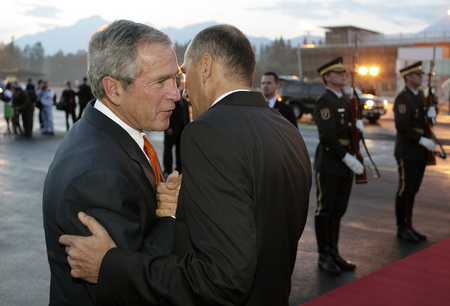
[[302, 97]]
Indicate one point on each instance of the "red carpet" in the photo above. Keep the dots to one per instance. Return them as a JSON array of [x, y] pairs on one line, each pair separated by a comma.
[[419, 279]]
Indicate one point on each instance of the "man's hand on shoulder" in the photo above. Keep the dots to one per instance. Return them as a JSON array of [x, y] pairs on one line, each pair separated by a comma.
[[85, 254]]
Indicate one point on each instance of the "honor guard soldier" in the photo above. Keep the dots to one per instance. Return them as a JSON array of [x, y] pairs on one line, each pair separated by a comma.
[[411, 148], [334, 165]]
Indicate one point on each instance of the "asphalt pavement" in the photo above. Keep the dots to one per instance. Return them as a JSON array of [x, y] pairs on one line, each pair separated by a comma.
[[367, 232]]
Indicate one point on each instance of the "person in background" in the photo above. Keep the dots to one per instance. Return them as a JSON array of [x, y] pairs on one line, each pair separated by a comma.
[[24, 106], [16, 105], [242, 205], [40, 83], [46, 95], [30, 85], [84, 94], [270, 83], [68, 95], [172, 136], [334, 164], [411, 147], [31, 91], [8, 112], [105, 165]]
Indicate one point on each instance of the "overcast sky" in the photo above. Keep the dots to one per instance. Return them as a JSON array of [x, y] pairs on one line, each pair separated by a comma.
[[261, 18]]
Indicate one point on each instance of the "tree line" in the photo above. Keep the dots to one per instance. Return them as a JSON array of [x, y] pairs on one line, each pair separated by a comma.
[[279, 56]]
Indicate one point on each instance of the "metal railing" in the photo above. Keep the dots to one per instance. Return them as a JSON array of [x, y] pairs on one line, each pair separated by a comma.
[[399, 39]]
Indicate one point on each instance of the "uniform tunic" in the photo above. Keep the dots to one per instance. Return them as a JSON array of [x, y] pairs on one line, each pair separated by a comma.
[[334, 179], [410, 122]]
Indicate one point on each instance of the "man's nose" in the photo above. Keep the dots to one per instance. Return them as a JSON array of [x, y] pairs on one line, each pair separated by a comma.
[[185, 95]]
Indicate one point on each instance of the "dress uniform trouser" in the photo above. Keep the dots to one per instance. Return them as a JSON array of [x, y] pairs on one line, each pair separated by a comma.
[[332, 198], [410, 177]]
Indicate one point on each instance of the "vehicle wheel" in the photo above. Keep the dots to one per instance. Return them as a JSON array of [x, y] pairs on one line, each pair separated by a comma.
[[297, 111]]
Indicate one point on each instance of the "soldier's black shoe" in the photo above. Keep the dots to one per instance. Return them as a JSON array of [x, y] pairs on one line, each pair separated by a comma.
[[342, 263], [327, 263], [404, 233], [417, 234]]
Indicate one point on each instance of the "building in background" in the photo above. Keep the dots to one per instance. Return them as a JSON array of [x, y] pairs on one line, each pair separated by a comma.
[[379, 56]]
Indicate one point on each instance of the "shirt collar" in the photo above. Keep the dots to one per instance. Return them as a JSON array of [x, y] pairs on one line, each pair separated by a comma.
[[135, 134], [415, 92], [272, 101], [226, 94], [338, 94]]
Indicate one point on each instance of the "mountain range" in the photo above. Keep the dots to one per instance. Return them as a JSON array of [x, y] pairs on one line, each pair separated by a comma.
[[442, 25], [76, 37]]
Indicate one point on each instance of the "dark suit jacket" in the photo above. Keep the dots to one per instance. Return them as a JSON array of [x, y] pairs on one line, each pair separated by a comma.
[[332, 116], [84, 94], [242, 208], [69, 96], [99, 169], [410, 112], [286, 111]]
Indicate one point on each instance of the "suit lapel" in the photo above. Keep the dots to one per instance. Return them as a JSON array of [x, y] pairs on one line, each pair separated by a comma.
[[102, 122]]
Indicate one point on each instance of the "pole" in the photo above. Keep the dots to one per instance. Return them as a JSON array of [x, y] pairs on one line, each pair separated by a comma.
[[299, 58]]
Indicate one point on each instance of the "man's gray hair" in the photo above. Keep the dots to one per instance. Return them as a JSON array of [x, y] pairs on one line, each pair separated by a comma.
[[113, 51]]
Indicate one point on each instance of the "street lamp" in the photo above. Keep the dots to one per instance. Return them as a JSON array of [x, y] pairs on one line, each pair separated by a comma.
[[307, 27]]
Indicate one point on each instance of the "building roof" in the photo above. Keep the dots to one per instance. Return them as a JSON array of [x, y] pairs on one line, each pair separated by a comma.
[[353, 28], [16, 72]]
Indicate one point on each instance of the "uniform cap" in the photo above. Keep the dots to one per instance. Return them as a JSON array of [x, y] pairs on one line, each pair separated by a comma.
[[414, 68], [334, 65]]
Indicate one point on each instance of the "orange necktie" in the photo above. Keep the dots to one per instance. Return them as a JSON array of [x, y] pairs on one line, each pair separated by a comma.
[[151, 153]]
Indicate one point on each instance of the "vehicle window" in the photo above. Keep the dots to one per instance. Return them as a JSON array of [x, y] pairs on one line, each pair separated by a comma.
[[292, 88], [282, 86], [304, 87], [316, 90]]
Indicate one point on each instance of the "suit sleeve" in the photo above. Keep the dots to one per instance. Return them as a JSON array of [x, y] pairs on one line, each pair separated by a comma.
[[219, 267]]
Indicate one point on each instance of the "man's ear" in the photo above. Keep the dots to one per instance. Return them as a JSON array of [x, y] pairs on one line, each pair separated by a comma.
[[113, 89], [206, 63]]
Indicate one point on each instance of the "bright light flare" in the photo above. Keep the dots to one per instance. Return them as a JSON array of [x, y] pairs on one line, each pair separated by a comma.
[[373, 70], [362, 70], [306, 26]]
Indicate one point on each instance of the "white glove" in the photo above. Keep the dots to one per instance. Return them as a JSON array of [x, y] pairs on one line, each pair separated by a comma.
[[360, 125], [431, 113], [353, 163], [427, 143]]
